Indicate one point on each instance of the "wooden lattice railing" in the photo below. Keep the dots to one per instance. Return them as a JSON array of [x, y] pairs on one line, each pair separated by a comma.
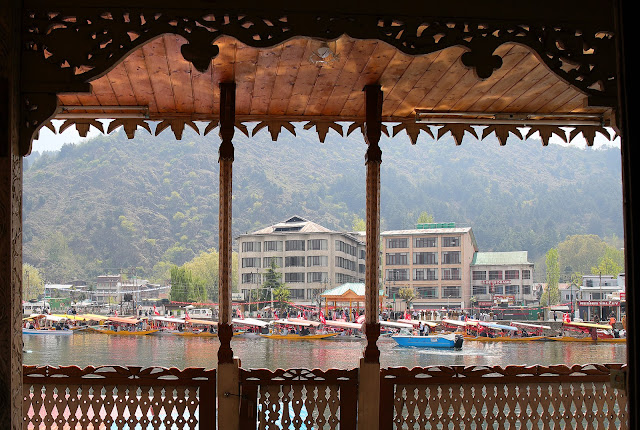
[[115, 397], [513, 397], [299, 398]]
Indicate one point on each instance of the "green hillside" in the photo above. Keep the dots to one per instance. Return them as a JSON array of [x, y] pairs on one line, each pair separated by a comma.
[[113, 203]]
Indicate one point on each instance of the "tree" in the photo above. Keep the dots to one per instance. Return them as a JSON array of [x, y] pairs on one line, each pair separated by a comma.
[[551, 294], [185, 287], [272, 279], [32, 283], [358, 224], [606, 266], [281, 296], [425, 217], [408, 295]]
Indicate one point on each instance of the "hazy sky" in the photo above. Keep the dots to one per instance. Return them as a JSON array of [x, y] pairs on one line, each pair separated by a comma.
[[49, 141]]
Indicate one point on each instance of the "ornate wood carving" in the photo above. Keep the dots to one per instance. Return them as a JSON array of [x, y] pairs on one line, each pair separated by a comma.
[[116, 396], [578, 396], [64, 48]]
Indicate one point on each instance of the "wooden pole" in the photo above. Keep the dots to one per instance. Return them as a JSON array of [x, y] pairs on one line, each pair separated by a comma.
[[225, 158], [373, 160]]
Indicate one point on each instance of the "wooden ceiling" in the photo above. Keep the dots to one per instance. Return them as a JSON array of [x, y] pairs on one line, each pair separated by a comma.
[[282, 82]]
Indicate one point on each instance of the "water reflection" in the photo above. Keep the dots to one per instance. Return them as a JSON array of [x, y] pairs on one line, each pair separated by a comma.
[[83, 349]]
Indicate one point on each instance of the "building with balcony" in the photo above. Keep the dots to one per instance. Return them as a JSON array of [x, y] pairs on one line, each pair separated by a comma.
[[434, 260], [602, 295], [499, 278], [310, 257]]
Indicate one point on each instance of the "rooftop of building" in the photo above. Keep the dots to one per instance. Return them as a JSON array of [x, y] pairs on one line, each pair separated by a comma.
[[500, 258], [298, 225], [357, 287], [434, 228]]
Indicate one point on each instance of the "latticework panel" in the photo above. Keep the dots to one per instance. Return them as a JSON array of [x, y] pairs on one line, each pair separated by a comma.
[[588, 406], [115, 401], [298, 407], [536, 397], [299, 399]]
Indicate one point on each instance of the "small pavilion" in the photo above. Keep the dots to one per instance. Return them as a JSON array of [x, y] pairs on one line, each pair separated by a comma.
[[352, 293]]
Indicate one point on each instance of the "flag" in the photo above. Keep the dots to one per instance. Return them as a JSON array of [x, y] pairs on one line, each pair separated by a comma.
[[360, 319], [322, 319], [406, 315], [240, 314], [155, 311], [116, 314], [186, 316]]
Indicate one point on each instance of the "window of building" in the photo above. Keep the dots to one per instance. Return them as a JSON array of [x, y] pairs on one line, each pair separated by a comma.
[[451, 292], [251, 278], [318, 260], [296, 293], [526, 274], [294, 277], [450, 241], [495, 275], [313, 293], [294, 245], [595, 296], [273, 245], [397, 243], [346, 248], [425, 242], [251, 262], [362, 268], [589, 283], [427, 292], [511, 290], [478, 290], [363, 254], [450, 257], [425, 274], [341, 278], [346, 264], [511, 274], [526, 289], [479, 275], [318, 277], [497, 289], [266, 261], [297, 261], [425, 258], [317, 244], [250, 246], [397, 259], [396, 274], [449, 274]]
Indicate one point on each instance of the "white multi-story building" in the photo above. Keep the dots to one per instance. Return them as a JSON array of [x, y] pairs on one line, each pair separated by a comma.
[[602, 295], [310, 257], [502, 277]]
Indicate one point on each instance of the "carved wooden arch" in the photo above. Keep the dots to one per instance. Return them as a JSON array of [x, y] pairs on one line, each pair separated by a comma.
[[63, 49]]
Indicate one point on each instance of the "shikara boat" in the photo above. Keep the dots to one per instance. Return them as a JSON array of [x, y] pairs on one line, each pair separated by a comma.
[[303, 334], [198, 328], [46, 325], [122, 326], [591, 333], [491, 332]]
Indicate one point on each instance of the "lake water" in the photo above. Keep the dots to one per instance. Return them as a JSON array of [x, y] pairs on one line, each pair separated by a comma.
[[83, 349]]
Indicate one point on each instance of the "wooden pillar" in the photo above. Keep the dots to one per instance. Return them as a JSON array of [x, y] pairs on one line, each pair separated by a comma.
[[369, 372], [626, 113], [228, 369], [10, 221]]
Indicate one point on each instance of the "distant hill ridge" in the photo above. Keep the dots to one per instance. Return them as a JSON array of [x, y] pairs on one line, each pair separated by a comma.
[[112, 203]]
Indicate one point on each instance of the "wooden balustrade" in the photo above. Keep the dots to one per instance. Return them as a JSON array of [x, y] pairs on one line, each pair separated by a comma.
[[299, 398], [475, 397], [478, 397], [116, 397]]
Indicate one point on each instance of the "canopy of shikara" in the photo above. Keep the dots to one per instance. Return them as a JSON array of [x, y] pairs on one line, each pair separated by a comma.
[[510, 76]]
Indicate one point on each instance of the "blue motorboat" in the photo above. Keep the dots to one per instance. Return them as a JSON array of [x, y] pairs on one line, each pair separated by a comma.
[[430, 341]]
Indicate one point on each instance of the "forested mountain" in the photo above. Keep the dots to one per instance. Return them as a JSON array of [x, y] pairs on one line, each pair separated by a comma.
[[112, 203]]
